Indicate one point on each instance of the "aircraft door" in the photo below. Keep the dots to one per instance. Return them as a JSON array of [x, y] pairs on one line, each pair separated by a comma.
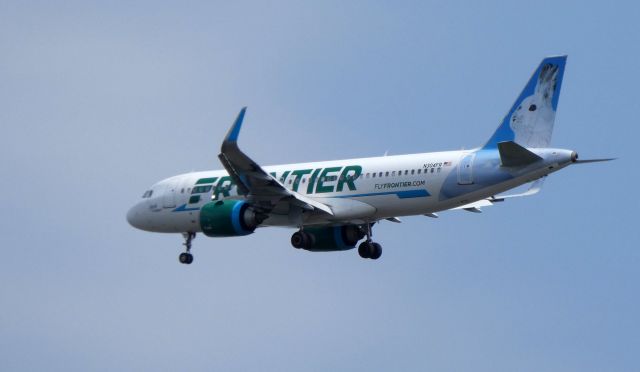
[[169, 194], [465, 169]]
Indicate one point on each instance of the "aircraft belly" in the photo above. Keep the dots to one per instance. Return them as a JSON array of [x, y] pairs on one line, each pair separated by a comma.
[[347, 209], [179, 222], [390, 207]]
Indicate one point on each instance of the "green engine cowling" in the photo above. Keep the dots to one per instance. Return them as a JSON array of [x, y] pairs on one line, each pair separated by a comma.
[[225, 218], [333, 238]]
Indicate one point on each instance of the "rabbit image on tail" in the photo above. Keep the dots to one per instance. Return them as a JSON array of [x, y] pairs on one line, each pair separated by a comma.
[[532, 121]]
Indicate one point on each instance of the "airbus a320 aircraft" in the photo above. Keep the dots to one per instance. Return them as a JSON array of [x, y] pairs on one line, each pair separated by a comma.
[[334, 204]]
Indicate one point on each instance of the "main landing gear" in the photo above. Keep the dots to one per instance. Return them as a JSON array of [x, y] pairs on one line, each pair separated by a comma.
[[369, 248], [187, 257]]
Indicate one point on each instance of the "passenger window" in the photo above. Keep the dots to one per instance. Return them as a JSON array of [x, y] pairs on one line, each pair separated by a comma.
[[413, 171], [393, 174], [432, 170], [419, 170], [374, 175], [386, 174]]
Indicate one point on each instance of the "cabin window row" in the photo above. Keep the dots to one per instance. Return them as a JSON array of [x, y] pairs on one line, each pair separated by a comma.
[[405, 172], [325, 179]]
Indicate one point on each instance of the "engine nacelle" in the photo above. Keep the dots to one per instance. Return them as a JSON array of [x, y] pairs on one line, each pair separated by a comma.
[[224, 218], [333, 238]]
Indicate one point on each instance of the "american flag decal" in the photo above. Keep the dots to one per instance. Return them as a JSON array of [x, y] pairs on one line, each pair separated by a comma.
[[447, 163]]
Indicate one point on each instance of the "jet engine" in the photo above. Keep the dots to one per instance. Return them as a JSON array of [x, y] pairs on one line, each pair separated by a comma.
[[225, 218], [324, 239]]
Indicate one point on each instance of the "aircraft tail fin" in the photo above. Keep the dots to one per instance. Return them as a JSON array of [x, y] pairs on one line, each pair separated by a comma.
[[529, 122]]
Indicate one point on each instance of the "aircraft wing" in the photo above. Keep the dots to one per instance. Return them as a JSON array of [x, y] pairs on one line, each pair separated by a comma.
[[260, 188], [475, 206]]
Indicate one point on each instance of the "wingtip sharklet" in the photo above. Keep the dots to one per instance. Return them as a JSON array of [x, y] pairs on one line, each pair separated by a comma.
[[234, 131]]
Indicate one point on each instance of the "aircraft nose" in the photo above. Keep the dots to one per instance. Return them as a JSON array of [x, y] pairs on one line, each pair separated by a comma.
[[134, 218]]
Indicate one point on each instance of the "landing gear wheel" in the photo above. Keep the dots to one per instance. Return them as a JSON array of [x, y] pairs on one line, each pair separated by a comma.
[[364, 249], [185, 258], [376, 251], [370, 250]]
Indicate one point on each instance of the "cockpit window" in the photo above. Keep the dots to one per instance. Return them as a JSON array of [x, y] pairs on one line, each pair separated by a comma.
[[147, 194]]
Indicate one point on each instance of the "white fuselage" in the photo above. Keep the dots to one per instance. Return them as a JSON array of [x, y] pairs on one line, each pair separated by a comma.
[[385, 187]]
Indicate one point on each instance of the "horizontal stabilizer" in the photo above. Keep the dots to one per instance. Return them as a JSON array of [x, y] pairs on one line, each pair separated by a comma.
[[514, 155], [476, 206], [535, 187]]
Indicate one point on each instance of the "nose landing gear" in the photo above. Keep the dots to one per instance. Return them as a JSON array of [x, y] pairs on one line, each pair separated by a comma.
[[187, 257]]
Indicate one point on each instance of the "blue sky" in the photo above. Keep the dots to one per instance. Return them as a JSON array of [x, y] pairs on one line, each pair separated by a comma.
[[100, 100]]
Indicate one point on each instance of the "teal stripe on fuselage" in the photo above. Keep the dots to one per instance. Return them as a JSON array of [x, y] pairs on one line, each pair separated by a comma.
[[420, 193], [184, 208]]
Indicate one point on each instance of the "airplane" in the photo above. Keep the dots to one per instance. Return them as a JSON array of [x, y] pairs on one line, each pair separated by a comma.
[[333, 205]]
